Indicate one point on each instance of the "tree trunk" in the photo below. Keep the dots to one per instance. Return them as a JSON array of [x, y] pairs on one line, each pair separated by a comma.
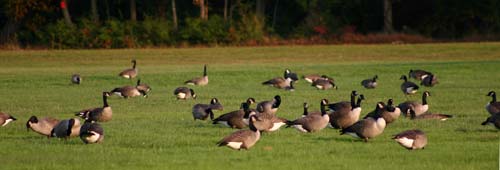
[[225, 10], [388, 17], [67, 17], [275, 13], [133, 11], [174, 14], [260, 8], [107, 9], [8, 32], [95, 14], [202, 9]]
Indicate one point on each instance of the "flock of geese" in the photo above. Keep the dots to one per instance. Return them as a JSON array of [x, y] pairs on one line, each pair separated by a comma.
[[343, 115]]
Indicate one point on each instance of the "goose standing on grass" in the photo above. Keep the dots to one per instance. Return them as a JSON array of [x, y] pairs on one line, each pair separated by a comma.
[[493, 106], [270, 106], [199, 81], [131, 72], [408, 87], [41, 126], [142, 87], [202, 111], [493, 119], [280, 82], [6, 119], [344, 114], [184, 93], [437, 116], [418, 74], [101, 114], [91, 132], [313, 122], [128, 91], [66, 128], [370, 83], [242, 139], [429, 80], [419, 108], [366, 128], [411, 139], [236, 119], [76, 79]]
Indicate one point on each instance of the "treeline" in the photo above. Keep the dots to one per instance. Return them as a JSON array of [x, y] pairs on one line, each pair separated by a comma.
[[146, 23]]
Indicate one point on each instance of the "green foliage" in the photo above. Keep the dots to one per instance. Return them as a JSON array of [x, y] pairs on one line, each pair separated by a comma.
[[214, 30], [154, 32]]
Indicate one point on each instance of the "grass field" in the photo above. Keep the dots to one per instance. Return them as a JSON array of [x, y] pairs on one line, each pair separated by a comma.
[[159, 133]]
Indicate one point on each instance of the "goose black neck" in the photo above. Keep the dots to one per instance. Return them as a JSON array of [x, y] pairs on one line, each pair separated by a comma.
[[405, 79], [412, 114], [424, 99], [305, 110], [277, 102], [358, 104], [375, 78], [323, 109], [205, 70], [134, 64], [246, 109], [138, 82], [251, 125], [353, 98], [493, 98], [105, 100]]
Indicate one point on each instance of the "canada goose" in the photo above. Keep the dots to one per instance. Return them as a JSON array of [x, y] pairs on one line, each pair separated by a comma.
[[437, 116], [202, 111], [493, 106], [128, 91], [6, 119], [370, 83], [408, 87], [366, 128], [242, 139], [236, 119], [306, 107], [270, 106], [312, 122], [269, 122], [391, 113], [418, 74], [42, 126], [142, 87], [379, 108], [290, 88], [131, 72], [324, 84], [184, 93], [101, 114], [419, 108], [66, 128], [411, 139], [76, 79], [493, 119], [346, 114], [429, 80], [311, 77], [199, 81], [280, 82], [292, 75], [91, 132], [250, 101]]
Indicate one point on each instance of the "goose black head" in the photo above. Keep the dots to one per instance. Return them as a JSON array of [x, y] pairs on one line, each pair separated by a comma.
[[491, 93], [250, 100]]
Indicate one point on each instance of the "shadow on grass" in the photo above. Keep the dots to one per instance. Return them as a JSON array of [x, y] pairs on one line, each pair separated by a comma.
[[338, 139]]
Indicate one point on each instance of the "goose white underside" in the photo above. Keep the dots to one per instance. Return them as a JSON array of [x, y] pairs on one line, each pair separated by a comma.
[[93, 138], [181, 95], [308, 80], [319, 86], [246, 121], [190, 83], [300, 128], [408, 143], [410, 90], [352, 134], [126, 76], [235, 145], [424, 76], [118, 93], [224, 123], [7, 122], [277, 126]]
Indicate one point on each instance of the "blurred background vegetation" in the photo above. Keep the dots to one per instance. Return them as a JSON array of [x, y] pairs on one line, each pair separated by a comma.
[[179, 23]]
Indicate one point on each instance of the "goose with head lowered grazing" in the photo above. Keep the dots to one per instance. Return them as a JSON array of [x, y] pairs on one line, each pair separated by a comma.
[[199, 81], [313, 122], [128, 91], [242, 139], [366, 128], [101, 114], [418, 74], [66, 128], [271, 106], [281, 82], [429, 80], [236, 119], [91, 132], [408, 87], [142, 87], [41, 126], [419, 108], [345, 113], [411, 139], [493, 106], [324, 83], [76, 79], [370, 83], [6, 119], [202, 111], [131, 72], [184, 93]]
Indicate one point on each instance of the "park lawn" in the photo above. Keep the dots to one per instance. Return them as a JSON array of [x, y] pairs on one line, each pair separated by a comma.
[[158, 132]]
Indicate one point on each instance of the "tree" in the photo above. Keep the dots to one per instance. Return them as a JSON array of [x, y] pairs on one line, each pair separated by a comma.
[[260, 8], [133, 11], [67, 17], [95, 14], [174, 14], [225, 10], [388, 28], [275, 13]]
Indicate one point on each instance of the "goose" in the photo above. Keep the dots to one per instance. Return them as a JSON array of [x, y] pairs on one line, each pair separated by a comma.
[[312, 122], [379, 109], [41, 126], [493, 106], [408, 87], [419, 108], [101, 114], [66, 128], [184, 93], [269, 122], [311, 77], [366, 128], [429, 80], [292, 75], [280, 82], [306, 107], [236, 119], [242, 139], [441, 117], [6, 119], [199, 81], [202, 111], [418, 74], [391, 113], [370, 83], [291, 87], [128, 91], [91, 132], [270, 106], [142, 87], [76, 79], [493, 119], [324, 84], [346, 114], [411, 139], [131, 72]]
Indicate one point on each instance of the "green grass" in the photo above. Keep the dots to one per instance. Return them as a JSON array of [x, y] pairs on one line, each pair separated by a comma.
[[159, 133]]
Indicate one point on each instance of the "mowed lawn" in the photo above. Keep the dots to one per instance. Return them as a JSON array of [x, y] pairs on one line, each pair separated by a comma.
[[159, 132]]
